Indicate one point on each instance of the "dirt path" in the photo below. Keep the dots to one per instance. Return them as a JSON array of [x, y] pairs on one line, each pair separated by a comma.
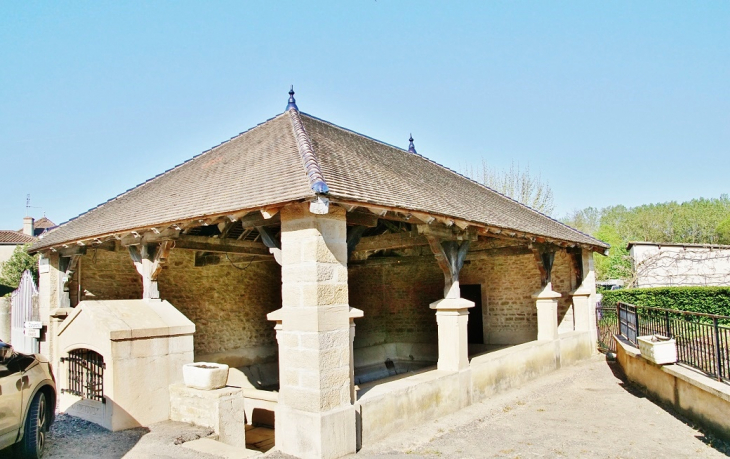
[[579, 411]]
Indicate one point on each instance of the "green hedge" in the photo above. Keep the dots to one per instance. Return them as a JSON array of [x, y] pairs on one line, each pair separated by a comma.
[[710, 300]]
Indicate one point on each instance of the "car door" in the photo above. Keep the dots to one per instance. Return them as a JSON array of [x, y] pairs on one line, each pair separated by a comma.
[[11, 401]]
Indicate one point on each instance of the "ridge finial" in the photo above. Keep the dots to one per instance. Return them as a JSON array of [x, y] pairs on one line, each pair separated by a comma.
[[292, 103], [411, 147]]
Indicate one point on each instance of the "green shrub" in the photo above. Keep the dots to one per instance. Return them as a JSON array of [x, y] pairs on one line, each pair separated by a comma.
[[709, 300]]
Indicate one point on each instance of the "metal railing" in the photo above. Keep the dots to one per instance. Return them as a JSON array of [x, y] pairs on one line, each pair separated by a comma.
[[703, 340], [607, 324], [85, 373]]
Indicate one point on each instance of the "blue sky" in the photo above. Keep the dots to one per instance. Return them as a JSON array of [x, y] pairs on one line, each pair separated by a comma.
[[611, 102]]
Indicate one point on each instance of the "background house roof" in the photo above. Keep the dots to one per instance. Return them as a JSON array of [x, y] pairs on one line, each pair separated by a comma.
[[10, 237], [266, 165], [43, 223]]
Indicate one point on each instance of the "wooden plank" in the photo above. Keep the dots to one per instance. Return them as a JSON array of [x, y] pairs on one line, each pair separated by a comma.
[[499, 252], [446, 233], [212, 244], [361, 219], [391, 241], [72, 250], [254, 219]]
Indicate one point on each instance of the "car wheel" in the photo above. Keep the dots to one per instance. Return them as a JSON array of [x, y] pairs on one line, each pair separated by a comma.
[[36, 424]]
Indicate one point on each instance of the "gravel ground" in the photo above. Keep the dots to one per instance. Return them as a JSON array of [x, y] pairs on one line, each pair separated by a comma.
[[74, 438], [585, 410]]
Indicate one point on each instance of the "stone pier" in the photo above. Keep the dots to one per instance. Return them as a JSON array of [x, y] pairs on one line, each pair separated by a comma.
[[546, 301], [315, 416]]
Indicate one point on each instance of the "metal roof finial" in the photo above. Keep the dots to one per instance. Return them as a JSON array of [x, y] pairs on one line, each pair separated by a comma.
[[292, 103], [411, 147]]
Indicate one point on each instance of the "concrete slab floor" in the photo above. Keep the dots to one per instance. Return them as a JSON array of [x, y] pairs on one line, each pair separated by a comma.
[[584, 410]]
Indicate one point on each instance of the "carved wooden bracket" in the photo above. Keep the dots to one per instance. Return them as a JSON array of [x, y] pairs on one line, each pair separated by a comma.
[[450, 256], [271, 241], [545, 257], [148, 260], [354, 234], [576, 257]]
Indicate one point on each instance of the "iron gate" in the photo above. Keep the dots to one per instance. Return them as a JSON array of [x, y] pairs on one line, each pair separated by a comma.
[[85, 374], [21, 312], [607, 325]]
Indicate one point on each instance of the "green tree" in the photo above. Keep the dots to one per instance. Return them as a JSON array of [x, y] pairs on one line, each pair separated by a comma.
[[723, 231], [12, 270], [699, 221], [617, 265]]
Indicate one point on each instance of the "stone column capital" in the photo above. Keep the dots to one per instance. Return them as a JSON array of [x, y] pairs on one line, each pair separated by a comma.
[[452, 304], [582, 290], [547, 293]]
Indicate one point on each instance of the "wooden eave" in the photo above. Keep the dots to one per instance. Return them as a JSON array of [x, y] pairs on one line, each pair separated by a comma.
[[268, 215]]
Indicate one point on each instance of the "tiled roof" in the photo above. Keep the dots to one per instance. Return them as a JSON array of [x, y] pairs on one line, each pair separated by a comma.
[[278, 162], [43, 223], [8, 237], [359, 168]]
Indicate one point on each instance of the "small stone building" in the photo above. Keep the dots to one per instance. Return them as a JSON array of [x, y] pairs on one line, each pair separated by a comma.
[[362, 286]]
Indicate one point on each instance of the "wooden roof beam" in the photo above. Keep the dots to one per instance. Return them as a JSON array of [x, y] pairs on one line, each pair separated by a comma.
[[391, 241]]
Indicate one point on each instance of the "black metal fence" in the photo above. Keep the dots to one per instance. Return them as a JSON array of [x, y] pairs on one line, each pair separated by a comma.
[[607, 324], [703, 340], [85, 374]]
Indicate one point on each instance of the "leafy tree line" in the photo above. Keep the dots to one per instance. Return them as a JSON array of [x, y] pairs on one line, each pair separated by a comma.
[[699, 221], [12, 270]]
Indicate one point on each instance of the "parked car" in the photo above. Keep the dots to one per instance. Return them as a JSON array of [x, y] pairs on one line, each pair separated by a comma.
[[27, 401]]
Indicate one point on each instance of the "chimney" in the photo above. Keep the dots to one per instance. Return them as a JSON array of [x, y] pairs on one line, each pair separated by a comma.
[[28, 226]]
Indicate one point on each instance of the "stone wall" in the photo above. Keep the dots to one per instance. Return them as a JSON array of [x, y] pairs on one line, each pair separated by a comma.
[[395, 299], [508, 282], [228, 305], [108, 275]]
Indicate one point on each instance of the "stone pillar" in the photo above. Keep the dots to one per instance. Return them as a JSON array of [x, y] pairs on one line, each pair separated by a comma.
[[588, 285], [547, 313], [50, 297], [581, 308], [315, 417], [452, 316]]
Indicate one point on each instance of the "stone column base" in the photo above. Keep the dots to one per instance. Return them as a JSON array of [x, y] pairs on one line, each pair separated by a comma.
[[452, 316], [546, 301], [325, 435], [581, 309]]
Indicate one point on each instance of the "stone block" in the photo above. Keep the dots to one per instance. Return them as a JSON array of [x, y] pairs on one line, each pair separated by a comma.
[[221, 410], [326, 435]]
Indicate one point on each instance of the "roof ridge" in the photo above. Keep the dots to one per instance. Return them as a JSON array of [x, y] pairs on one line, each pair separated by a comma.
[[148, 181], [350, 131], [306, 151]]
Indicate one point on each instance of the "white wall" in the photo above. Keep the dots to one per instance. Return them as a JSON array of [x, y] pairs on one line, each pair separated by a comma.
[[665, 266], [6, 251]]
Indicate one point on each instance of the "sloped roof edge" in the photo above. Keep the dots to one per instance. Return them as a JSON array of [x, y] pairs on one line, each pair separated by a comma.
[[597, 242]]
